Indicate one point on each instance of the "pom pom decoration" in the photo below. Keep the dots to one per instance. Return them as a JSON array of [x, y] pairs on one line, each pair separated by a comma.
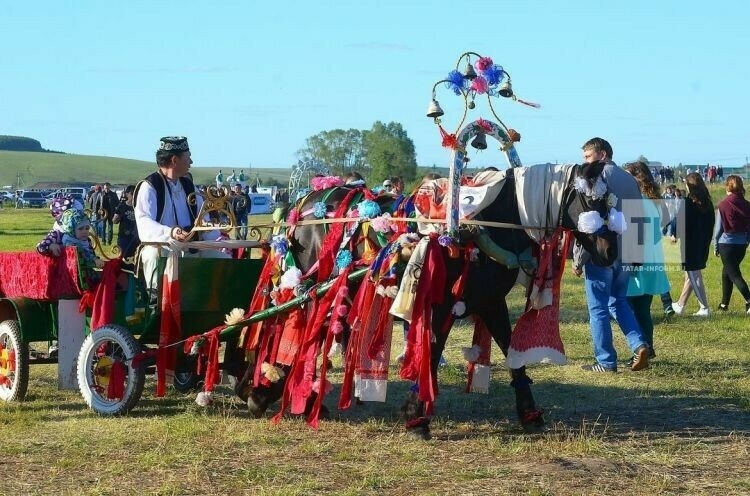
[[616, 221], [337, 328], [280, 244], [459, 309], [293, 217], [590, 222], [319, 210], [327, 388], [273, 374], [445, 240], [235, 316], [368, 209], [342, 310], [471, 354], [343, 259], [325, 182], [494, 74], [382, 224], [291, 278], [479, 84], [484, 125], [343, 292], [483, 64], [456, 82], [204, 399]]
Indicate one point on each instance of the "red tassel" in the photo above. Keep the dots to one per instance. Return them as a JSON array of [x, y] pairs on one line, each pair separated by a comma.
[[117, 374], [448, 140]]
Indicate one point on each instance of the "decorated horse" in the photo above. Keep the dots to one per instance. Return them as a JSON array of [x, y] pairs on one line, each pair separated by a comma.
[[473, 242]]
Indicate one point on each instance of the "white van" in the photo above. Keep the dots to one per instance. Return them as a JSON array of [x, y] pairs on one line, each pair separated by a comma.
[[260, 203]]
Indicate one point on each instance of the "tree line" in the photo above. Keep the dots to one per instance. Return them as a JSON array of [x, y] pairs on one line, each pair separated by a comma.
[[381, 152], [22, 144]]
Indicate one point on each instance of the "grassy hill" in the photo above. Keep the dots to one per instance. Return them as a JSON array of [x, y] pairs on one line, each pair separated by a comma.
[[48, 167]]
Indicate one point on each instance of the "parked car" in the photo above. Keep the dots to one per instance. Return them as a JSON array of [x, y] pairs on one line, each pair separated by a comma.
[[28, 199]]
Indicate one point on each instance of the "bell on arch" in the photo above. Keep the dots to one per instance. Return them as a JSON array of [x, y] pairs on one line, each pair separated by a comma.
[[505, 90], [469, 73], [434, 109], [479, 142]]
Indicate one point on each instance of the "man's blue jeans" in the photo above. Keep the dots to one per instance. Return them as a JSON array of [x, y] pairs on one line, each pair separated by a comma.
[[601, 283]]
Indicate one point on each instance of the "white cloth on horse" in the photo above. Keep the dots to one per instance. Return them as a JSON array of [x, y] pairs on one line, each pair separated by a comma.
[[403, 303], [551, 180]]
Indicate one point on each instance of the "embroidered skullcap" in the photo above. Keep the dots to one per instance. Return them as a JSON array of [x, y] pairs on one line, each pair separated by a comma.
[[175, 144], [72, 219], [62, 203]]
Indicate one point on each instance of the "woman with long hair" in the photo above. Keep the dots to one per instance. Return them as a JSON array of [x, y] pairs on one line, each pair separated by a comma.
[[732, 238], [699, 226], [649, 278]]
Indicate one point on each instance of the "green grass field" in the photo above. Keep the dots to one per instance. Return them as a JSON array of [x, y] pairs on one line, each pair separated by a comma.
[[681, 427]]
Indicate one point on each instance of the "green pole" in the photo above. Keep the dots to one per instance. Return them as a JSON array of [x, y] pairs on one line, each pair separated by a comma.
[[273, 311]]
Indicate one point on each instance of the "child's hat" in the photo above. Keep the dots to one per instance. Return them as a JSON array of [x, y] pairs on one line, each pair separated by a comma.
[[72, 219]]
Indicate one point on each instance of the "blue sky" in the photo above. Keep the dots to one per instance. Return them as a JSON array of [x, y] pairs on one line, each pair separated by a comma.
[[249, 81]]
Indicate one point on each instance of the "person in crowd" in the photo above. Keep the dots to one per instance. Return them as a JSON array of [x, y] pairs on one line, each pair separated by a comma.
[[241, 208], [127, 235], [606, 286], [52, 243], [699, 225], [649, 278], [219, 179], [107, 204], [93, 204], [731, 240], [162, 211]]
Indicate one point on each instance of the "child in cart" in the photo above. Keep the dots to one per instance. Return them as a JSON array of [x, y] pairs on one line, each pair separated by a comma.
[[75, 232]]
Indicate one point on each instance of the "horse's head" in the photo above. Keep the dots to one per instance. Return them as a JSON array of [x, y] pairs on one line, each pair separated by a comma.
[[585, 208]]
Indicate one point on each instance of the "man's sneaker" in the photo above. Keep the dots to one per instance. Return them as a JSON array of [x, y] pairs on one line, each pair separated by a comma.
[[747, 308], [722, 307], [443, 362], [703, 312], [669, 311], [598, 367], [678, 309], [640, 359]]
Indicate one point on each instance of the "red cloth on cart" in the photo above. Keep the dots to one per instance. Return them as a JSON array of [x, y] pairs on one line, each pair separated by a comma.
[[35, 276]]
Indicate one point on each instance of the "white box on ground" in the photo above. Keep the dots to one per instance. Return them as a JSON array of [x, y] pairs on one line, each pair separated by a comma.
[[70, 336]]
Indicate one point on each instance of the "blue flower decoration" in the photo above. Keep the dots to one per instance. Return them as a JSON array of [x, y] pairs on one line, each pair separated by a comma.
[[494, 75], [319, 210], [280, 244], [368, 209], [456, 82], [343, 259], [445, 240]]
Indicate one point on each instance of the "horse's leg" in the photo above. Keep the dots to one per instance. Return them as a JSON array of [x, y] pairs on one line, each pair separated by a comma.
[[494, 313], [413, 410]]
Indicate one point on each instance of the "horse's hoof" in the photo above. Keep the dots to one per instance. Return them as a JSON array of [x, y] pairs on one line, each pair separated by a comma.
[[532, 422], [256, 407], [421, 433]]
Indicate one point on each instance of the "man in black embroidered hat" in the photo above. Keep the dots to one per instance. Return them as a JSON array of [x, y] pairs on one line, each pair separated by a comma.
[[162, 211]]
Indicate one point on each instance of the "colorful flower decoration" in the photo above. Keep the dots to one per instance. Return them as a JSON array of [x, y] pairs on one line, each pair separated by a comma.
[[445, 240], [319, 210], [484, 125], [368, 209], [382, 224], [293, 217], [343, 259], [280, 244], [456, 82], [325, 182], [480, 85]]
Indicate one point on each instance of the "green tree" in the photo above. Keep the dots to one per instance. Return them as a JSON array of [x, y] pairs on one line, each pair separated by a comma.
[[390, 152], [339, 149]]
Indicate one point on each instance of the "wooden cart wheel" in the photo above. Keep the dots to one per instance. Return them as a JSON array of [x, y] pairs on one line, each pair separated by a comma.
[[14, 362], [108, 382]]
